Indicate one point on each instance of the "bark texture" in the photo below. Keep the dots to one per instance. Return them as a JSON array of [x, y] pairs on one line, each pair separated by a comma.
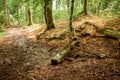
[[62, 53], [6, 13], [48, 14], [29, 14], [85, 7]]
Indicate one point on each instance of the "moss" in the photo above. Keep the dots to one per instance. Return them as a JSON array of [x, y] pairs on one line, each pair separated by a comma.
[[111, 33], [1, 34]]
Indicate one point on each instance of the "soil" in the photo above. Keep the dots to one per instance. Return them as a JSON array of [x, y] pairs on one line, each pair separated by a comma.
[[22, 57]]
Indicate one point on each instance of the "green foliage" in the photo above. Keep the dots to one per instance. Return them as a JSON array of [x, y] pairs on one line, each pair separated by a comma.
[[76, 13], [60, 15], [114, 6], [1, 34], [17, 9], [37, 15]]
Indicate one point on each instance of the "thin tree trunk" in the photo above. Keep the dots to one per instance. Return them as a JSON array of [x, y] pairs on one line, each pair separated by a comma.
[[45, 11], [6, 14], [81, 5], [65, 5], [29, 14], [71, 15], [42, 15], [72, 8], [99, 5], [85, 7], [71, 34], [18, 15], [29, 17], [56, 4], [68, 5]]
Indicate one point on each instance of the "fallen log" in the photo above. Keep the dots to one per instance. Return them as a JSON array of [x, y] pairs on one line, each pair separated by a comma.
[[61, 54], [92, 29], [111, 33]]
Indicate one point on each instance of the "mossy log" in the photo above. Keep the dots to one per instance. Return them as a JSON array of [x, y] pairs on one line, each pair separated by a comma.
[[111, 33], [61, 54], [92, 29]]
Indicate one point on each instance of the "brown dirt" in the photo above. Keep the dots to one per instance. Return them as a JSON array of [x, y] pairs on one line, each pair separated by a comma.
[[24, 58]]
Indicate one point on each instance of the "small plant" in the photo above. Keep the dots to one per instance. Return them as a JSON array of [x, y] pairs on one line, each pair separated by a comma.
[[1, 33]]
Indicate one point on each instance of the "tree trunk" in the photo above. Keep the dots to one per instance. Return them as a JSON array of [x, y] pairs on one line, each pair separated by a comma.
[[18, 15], [29, 17], [65, 5], [85, 7], [6, 14], [70, 23], [99, 5], [68, 5], [62, 53], [48, 14], [29, 14], [42, 13]]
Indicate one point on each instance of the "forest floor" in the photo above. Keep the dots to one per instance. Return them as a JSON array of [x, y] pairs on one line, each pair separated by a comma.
[[22, 57]]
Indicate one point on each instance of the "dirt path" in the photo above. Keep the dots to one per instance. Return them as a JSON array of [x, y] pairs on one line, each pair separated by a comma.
[[21, 53]]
